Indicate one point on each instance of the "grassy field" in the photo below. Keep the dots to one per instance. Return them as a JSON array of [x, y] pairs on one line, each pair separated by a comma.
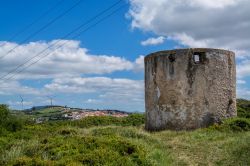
[[121, 141], [113, 141]]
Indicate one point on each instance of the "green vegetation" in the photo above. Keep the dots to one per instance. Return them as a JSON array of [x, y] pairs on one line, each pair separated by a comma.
[[243, 108], [120, 141], [131, 120], [47, 112], [8, 122]]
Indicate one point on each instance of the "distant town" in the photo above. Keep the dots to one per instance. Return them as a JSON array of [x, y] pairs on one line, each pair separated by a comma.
[[51, 113]]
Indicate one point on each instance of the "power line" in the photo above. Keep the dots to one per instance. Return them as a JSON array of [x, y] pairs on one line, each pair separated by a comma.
[[67, 35], [61, 45], [3, 78], [44, 27], [35, 21]]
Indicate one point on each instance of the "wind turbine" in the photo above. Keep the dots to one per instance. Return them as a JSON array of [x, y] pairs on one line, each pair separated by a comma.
[[51, 100], [21, 101]]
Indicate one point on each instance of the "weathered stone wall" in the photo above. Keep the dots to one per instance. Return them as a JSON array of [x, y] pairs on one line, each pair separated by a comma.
[[189, 88]]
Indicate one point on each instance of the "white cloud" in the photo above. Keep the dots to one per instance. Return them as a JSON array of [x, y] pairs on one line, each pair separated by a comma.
[[93, 84], [241, 82], [94, 101], [196, 23], [26, 104], [63, 70], [69, 60], [211, 3], [243, 93], [184, 39], [153, 41], [139, 63], [101, 92], [243, 69], [14, 87], [115, 93]]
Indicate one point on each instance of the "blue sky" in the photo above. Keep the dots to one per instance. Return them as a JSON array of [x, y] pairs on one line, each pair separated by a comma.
[[103, 68]]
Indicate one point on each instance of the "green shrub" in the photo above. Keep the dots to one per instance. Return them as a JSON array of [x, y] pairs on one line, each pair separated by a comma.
[[131, 120], [67, 131], [243, 108], [13, 124], [135, 119], [27, 161], [3, 131], [233, 124], [9, 122], [4, 113], [238, 124], [87, 150]]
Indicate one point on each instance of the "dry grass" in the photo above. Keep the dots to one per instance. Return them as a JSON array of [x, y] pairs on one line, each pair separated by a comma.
[[204, 147]]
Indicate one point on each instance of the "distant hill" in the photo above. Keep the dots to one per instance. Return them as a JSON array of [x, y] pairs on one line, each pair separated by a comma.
[[57, 112], [38, 108]]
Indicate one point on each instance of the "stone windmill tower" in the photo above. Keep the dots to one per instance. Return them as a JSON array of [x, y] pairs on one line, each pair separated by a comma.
[[189, 88]]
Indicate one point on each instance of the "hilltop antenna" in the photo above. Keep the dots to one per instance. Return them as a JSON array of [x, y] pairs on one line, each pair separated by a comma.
[[21, 101]]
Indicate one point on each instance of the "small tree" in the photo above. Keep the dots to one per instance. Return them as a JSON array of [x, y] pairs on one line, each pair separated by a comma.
[[4, 113], [7, 121]]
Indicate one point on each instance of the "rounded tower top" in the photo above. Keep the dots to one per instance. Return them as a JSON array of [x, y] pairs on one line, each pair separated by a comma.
[[190, 50]]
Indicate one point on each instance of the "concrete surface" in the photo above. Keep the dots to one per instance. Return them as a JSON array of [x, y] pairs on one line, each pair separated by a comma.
[[189, 88]]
